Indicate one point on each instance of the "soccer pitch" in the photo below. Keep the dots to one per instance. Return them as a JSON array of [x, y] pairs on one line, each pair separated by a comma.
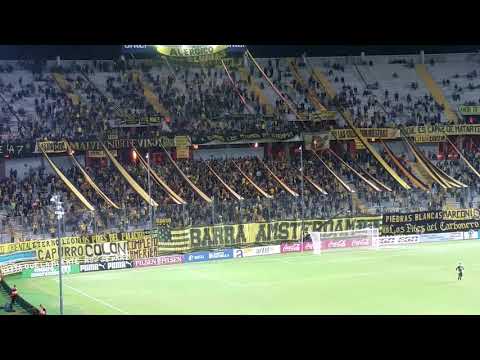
[[417, 280]]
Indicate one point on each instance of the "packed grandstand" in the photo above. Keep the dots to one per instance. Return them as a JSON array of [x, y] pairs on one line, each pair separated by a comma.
[[264, 111], [130, 142]]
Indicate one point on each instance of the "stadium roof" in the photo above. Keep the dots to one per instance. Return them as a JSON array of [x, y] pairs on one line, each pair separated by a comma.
[[84, 52]]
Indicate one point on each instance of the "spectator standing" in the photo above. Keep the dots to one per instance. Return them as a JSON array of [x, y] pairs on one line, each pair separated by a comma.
[[14, 294]]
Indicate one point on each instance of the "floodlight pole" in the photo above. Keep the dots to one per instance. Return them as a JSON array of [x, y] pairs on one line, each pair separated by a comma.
[[149, 192], [303, 198], [59, 211]]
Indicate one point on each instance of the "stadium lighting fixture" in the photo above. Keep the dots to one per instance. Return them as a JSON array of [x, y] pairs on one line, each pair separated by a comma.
[[302, 199], [150, 213], [59, 211]]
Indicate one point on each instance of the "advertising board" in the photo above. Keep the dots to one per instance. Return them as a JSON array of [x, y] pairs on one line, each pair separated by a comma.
[[196, 257], [257, 251], [50, 271], [441, 237], [385, 241], [220, 255], [157, 261]]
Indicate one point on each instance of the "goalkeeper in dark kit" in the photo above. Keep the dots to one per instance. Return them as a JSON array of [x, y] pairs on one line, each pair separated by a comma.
[[460, 269]]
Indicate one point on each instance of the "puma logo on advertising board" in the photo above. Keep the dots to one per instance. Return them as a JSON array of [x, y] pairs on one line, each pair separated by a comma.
[[119, 265], [90, 267]]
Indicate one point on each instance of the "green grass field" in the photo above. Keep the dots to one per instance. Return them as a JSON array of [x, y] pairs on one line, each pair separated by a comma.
[[416, 280]]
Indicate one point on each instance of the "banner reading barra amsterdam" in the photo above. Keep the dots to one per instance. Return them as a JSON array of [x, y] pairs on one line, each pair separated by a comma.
[[275, 231], [431, 222]]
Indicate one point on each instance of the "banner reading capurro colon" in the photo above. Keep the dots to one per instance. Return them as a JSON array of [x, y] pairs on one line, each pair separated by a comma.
[[161, 260]]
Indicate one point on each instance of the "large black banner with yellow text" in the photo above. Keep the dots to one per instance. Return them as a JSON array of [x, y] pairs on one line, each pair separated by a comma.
[[425, 222], [270, 232]]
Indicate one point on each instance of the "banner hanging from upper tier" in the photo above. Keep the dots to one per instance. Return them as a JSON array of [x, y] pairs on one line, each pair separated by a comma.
[[370, 133], [425, 222], [469, 110]]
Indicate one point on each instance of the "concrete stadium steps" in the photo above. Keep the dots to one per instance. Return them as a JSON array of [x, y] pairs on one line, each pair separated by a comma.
[[312, 96], [401, 85], [436, 92], [366, 74], [326, 84], [66, 88], [421, 173], [443, 71], [267, 90], [255, 88], [149, 94]]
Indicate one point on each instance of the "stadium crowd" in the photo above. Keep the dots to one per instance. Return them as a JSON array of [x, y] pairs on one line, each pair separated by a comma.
[[26, 201], [201, 100]]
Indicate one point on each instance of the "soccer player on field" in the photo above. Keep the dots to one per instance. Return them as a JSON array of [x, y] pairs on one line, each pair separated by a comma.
[[460, 270]]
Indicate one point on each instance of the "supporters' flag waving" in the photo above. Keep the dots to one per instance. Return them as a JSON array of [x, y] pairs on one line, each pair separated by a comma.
[[163, 232]]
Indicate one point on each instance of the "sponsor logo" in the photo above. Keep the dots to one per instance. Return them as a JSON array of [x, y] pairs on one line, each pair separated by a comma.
[[398, 240], [92, 267], [362, 242], [226, 254], [441, 237], [286, 248], [194, 257], [50, 271], [115, 265], [308, 246], [161, 260], [337, 244], [238, 253]]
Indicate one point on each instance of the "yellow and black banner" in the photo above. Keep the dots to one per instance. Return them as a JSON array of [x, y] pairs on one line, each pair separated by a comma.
[[430, 222], [135, 186], [317, 116], [90, 181], [469, 110], [51, 147], [182, 141], [429, 138], [437, 130], [369, 133], [182, 152], [274, 231], [68, 184], [131, 245]]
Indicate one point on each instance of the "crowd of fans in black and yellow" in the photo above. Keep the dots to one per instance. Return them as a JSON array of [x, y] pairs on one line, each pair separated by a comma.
[[198, 100]]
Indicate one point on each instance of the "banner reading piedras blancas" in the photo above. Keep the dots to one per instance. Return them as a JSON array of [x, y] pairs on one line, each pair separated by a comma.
[[425, 222]]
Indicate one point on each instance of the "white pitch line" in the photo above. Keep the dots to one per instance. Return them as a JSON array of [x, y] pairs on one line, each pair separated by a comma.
[[95, 299]]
